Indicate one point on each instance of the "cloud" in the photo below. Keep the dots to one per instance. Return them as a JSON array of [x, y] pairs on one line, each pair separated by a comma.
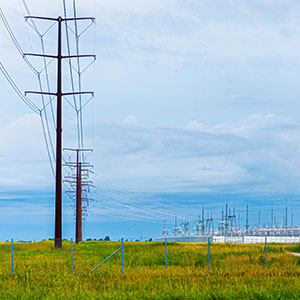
[[23, 158], [171, 63], [131, 119], [260, 152]]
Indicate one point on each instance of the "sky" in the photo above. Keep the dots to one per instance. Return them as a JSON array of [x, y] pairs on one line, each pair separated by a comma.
[[196, 103]]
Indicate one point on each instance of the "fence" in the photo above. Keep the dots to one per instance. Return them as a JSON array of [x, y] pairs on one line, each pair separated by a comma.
[[266, 240], [109, 257]]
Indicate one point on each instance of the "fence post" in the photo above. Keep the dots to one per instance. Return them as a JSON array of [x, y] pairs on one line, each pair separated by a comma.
[[122, 260], [208, 254], [71, 255], [266, 252], [166, 253], [12, 257]]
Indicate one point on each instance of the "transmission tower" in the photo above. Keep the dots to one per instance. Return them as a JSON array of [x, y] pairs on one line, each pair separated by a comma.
[[59, 94], [79, 185]]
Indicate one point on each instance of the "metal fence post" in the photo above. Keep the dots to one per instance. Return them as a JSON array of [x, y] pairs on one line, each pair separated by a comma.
[[12, 257], [166, 253], [122, 260], [266, 252], [208, 254], [71, 255]]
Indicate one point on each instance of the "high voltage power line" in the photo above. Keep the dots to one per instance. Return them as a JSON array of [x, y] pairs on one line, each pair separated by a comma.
[[121, 197], [58, 156]]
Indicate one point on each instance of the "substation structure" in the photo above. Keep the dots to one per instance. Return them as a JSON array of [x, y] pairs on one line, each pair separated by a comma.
[[229, 229]]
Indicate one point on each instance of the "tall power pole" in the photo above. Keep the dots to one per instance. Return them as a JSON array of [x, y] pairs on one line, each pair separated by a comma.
[[78, 181], [58, 181], [59, 95], [78, 204]]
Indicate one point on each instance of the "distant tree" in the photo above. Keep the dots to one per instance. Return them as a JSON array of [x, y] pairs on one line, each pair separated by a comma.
[[88, 240], [100, 240], [107, 238], [150, 240]]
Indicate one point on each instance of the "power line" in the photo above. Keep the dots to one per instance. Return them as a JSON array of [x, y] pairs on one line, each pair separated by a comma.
[[15, 41], [71, 73], [47, 146], [26, 100], [79, 74]]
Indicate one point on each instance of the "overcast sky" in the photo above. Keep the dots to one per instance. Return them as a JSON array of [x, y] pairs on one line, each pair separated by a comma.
[[197, 102]]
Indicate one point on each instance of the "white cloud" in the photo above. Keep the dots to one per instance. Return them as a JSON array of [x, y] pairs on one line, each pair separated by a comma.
[[259, 151], [194, 125], [131, 119], [23, 160]]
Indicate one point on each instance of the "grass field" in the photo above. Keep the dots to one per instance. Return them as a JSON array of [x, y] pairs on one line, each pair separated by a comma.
[[237, 271]]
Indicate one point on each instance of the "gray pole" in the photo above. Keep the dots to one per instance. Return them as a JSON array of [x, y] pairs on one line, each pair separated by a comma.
[[286, 215], [12, 257], [247, 220], [208, 255], [71, 255], [122, 252], [272, 218], [265, 252], [166, 253]]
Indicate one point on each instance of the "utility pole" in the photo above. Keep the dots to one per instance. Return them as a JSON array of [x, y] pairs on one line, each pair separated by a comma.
[[58, 181], [59, 95], [78, 202], [259, 219], [76, 181]]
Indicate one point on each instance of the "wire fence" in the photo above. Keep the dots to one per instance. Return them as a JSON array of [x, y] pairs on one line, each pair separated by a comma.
[[122, 249]]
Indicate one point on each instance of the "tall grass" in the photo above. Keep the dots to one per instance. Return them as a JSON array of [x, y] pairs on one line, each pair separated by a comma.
[[237, 271]]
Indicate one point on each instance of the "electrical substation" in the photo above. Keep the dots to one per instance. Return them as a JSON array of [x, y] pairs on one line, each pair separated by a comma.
[[230, 228]]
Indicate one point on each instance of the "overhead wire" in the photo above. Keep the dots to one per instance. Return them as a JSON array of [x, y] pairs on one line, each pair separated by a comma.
[[15, 41], [126, 201], [45, 69], [79, 73], [26, 100], [71, 74], [47, 146], [43, 114], [125, 189]]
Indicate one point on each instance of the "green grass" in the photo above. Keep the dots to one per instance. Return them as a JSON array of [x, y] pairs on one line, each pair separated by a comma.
[[237, 271]]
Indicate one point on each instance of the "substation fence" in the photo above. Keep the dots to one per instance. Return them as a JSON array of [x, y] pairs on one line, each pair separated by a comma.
[[122, 255]]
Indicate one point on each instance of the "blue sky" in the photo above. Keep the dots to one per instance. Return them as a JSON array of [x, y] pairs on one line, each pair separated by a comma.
[[196, 102]]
